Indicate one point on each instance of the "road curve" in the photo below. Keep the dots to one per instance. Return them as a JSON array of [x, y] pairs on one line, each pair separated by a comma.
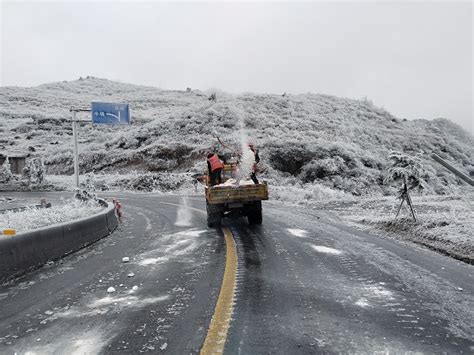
[[305, 283]]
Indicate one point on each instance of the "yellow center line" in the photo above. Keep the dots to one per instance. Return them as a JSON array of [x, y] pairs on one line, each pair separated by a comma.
[[220, 322]]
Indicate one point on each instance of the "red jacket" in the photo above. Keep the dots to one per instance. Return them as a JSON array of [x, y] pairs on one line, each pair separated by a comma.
[[215, 163]]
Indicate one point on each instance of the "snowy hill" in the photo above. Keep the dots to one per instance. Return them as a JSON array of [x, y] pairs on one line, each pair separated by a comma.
[[303, 139]]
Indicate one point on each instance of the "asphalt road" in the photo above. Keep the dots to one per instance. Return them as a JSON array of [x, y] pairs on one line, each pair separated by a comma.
[[305, 283]]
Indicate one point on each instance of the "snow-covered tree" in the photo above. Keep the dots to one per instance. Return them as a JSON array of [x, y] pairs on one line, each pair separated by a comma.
[[89, 184], [5, 172], [34, 171], [407, 170]]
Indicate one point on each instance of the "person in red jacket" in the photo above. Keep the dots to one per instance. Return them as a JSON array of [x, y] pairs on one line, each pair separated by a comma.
[[215, 164]]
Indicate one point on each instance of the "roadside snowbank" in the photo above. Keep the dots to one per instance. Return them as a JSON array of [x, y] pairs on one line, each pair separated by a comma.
[[34, 218], [311, 194], [445, 223]]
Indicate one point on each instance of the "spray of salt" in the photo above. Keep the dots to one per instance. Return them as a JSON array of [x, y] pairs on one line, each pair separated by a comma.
[[184, 215], [247, 160]]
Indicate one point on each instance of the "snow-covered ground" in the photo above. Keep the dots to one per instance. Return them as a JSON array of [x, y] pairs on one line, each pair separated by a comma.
[[34, 218], [444, 223], [315, 149], [338, 142]]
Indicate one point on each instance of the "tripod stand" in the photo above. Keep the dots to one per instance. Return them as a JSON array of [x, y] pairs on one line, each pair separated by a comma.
[[405, 196]]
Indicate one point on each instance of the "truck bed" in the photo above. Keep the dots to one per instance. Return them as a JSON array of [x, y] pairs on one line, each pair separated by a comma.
[[236, 194]]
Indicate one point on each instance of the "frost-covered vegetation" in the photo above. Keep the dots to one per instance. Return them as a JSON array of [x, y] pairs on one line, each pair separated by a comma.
[[315, 141], [6, 175], [313, 148], [33, 218], [407, 171], [32, 178], [445, 223]]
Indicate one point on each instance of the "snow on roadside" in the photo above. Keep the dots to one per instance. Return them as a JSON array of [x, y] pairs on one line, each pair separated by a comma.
[[33, 218], [445, 223], [134, 181], [288, 190]]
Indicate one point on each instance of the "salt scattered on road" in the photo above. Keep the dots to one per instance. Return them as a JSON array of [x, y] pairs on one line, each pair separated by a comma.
[[380, 292], [191, 233], [326, 250], [90, 342], [300, 233], [362, 303], [152, 261]]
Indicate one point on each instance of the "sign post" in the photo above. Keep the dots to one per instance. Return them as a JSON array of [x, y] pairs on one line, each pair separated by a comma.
[[74, 137], [102, 113], [76, 153]]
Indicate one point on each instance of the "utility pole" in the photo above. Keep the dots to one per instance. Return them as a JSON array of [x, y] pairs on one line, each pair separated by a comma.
[[76, 153], [74, 137]]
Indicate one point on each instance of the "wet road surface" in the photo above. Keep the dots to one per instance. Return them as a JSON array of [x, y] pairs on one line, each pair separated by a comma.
[[305, 283]]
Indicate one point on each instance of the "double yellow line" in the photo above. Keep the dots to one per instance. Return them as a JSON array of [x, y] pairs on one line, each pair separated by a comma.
[[220, 322]]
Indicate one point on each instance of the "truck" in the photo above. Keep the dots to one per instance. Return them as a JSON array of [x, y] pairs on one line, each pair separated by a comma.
[[234, 200]]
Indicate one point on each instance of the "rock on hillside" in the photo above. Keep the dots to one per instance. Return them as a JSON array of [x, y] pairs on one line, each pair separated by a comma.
[[303, 139]]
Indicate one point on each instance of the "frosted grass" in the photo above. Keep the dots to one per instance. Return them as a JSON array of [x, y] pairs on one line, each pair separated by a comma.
[[34, 218]]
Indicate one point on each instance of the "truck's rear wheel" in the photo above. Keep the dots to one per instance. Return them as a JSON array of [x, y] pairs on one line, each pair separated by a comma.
[[254, 213], [214, 215]]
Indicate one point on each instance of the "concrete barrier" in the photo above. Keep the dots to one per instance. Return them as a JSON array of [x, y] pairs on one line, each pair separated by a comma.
[[112, 221], [30, 250]]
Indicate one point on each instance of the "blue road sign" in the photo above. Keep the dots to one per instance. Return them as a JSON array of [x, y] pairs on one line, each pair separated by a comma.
[[110, 113]]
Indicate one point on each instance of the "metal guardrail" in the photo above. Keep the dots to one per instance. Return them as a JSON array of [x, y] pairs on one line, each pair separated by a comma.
[[451, 168]]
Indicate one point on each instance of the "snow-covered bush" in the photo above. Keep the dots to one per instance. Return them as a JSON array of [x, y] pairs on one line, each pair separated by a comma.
[[155, 181], [60, 162], [34, 172], [306, 194], [89, 184], [322, 168], [88, 197], [5, 172], [290, 157]]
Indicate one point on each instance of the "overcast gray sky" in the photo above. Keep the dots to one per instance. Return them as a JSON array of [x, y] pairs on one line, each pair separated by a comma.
[[413, 58]]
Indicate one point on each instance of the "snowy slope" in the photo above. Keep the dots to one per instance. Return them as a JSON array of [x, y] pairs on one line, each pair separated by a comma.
[[303, 139]]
